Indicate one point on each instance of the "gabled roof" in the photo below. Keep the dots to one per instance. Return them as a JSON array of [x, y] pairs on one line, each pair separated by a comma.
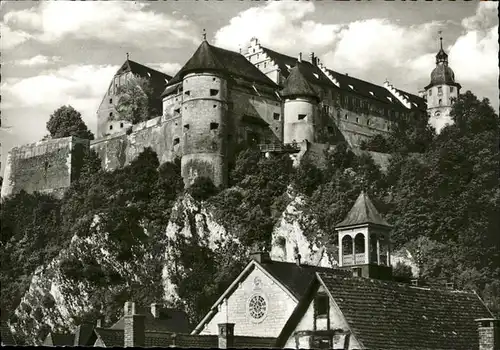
[[110, 337], [170, 320], [212, 58], [363, 212], [59, 339], [285, 63], [297, 85], [390, 315], [295, 279], [157, 79], [84, 335], [346, 82], [416, 101]]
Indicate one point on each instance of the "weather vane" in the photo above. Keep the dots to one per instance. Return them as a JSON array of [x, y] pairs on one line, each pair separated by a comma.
[[204, 34], [127, 56]]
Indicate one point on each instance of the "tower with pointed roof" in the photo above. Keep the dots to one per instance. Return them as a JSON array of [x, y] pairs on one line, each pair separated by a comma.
[[441, 91], [364, 241], [204, 116], [300, 107]]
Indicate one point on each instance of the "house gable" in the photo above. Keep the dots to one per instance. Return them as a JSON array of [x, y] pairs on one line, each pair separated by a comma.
[[257, 304], [305, 326]]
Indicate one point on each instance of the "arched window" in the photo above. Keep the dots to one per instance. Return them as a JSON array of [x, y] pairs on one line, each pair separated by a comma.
[[346, 246], [359, 243]]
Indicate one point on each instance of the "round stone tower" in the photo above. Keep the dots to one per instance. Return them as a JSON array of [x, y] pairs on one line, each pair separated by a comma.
[[204, 113], [300, 107]]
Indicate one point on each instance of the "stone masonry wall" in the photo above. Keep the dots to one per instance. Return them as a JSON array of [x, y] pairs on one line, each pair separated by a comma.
[[45, 166], [120, 149]]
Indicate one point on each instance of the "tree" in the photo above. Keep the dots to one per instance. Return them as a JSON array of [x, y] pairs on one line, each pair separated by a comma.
[[66, 121], [136, 102]]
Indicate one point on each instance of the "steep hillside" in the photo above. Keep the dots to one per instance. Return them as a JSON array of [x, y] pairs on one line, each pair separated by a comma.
[[136, 234]]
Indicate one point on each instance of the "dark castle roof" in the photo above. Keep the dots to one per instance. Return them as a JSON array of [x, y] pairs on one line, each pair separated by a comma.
[[212, 58], [390, 315], [363, 212], [157, 79], [442, 75], [297, 85], [346, 82]]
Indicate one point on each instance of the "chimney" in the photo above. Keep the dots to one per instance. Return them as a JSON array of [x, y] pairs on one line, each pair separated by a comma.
[[226, 335], [155, 310], [261, 257], [489, 333], [134, 332], [300, 57], [313, 59], [297, 256]]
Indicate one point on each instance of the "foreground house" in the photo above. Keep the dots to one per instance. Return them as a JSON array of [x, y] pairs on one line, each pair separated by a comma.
[[274, 304]]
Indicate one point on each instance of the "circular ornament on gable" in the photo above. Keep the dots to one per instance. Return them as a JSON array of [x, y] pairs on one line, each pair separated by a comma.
[[257, 307]]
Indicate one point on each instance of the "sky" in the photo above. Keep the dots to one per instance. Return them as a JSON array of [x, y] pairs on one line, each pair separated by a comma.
[[57, 53]]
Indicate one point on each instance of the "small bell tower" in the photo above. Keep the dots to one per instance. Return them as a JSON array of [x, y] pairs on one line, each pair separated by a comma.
[[364, 241]]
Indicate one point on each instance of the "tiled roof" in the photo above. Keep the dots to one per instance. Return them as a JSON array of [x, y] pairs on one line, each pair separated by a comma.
[[442, 74], [6, 335], [297, 85], [389, 315], [285, 63], [297, 278], [363, 212], [416, 101], [157, 79], [110, 337], [170, 320], [211, 58], [346, 82], [59, 339], [84, 335]]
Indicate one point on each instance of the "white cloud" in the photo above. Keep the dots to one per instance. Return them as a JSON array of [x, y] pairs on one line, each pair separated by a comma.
[[281, 25], [474, 57], [486, 16], [39, 60], [81, 86], [166, 67], [110, 21], [12, 38]]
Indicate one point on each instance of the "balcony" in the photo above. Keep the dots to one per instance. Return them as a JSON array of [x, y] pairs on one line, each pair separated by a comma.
[[279, 148]]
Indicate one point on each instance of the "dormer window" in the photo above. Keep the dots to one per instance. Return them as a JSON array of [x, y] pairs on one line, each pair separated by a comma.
[[316, 75], [352, 87]]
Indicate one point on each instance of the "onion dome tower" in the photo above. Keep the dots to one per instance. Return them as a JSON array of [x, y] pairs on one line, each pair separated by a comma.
[[300, 106], [441, 91], [364, 241]]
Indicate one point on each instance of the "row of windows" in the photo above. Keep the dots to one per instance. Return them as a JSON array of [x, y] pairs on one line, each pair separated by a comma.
[[213, 92], [111, 126], [440, 90]]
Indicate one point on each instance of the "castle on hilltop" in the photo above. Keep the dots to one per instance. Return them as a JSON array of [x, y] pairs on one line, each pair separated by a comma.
[[220, 98]]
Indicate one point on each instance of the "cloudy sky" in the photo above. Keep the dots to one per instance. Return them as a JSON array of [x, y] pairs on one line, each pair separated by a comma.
[[57, 53]]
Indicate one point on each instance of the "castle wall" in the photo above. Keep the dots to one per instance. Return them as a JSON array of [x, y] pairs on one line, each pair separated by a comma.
[[45, 166], [162, 135], [261, 115], [357, 127]]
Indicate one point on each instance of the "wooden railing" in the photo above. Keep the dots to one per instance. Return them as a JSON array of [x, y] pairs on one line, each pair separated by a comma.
[[276, 147]]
